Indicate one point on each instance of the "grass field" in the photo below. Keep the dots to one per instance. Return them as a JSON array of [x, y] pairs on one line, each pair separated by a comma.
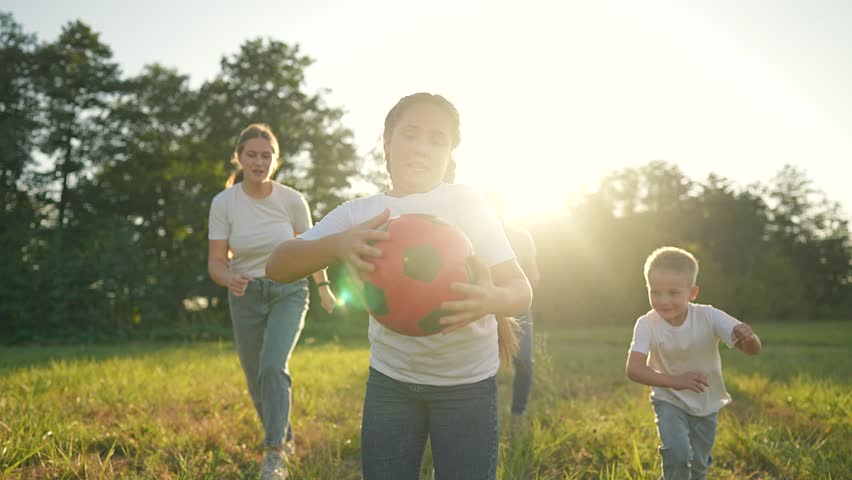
[[181, 411]]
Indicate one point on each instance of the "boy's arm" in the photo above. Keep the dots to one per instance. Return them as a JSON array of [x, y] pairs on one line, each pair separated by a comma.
[[746, 340], [734, 332], [639, 371]]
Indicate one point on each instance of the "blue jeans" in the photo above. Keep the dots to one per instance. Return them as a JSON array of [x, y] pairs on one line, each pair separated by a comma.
[[523, 361], [461, 421], [686, 441], [267, 321]]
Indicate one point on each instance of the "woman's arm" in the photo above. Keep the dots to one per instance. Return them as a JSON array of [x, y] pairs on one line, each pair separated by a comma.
[[320, 277], [327, 298], [217, 268]]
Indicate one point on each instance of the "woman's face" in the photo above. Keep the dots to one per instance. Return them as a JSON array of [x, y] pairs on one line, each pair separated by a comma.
[[419, 148], [256, 160]]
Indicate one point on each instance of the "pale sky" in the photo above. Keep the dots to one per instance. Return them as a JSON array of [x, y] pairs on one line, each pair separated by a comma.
[[553, 95]]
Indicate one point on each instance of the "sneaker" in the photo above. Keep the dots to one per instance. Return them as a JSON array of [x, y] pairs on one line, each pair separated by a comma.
[[274, 466], [289, 448]]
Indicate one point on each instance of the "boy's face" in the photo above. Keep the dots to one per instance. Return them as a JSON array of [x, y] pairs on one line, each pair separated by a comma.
[[670, 293]]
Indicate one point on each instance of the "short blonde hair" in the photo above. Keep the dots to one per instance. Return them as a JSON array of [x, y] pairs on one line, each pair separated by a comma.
[[672, 259]]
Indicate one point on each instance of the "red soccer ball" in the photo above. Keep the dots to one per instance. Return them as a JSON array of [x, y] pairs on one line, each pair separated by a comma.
[[419, 262]]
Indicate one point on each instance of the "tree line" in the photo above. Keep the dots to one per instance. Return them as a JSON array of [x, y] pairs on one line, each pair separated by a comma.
[[770, 251], [106, 181]]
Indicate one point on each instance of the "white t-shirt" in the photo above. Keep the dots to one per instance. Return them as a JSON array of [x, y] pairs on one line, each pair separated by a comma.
[[692, 346], [466, 355], [254, 227]]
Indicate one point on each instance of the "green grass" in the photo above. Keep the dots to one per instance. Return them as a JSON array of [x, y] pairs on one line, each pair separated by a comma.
[[182, 411]]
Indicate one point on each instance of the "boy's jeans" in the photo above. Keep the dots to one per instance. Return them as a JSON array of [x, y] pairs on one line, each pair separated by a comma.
[[686, 441], [267, 321], [461, 421], [523, 361]]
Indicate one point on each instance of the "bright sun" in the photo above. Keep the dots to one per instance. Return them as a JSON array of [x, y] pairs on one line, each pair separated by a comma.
[[531, 182]]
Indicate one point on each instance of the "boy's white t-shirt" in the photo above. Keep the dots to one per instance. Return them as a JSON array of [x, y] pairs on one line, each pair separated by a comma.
[[466, 355], [254, 227], [692, 346]]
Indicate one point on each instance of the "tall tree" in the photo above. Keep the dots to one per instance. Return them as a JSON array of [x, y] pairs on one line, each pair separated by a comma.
[[730, 222], [265, 82], [147, 220], [77, 78], [18, 106], [813, 232], [19, 214]]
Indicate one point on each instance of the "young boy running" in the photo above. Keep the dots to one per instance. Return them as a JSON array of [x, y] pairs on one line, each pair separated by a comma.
[[675, 351]]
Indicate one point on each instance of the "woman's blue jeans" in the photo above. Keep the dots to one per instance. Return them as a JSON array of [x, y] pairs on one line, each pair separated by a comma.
[[267, 321]]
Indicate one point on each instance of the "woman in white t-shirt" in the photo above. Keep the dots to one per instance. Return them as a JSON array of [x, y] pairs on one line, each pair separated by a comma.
[[247, 220], [440, 387]]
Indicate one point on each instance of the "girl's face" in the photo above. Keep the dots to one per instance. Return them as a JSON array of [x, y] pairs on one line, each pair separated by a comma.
[[419, 148], [256, 159]]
